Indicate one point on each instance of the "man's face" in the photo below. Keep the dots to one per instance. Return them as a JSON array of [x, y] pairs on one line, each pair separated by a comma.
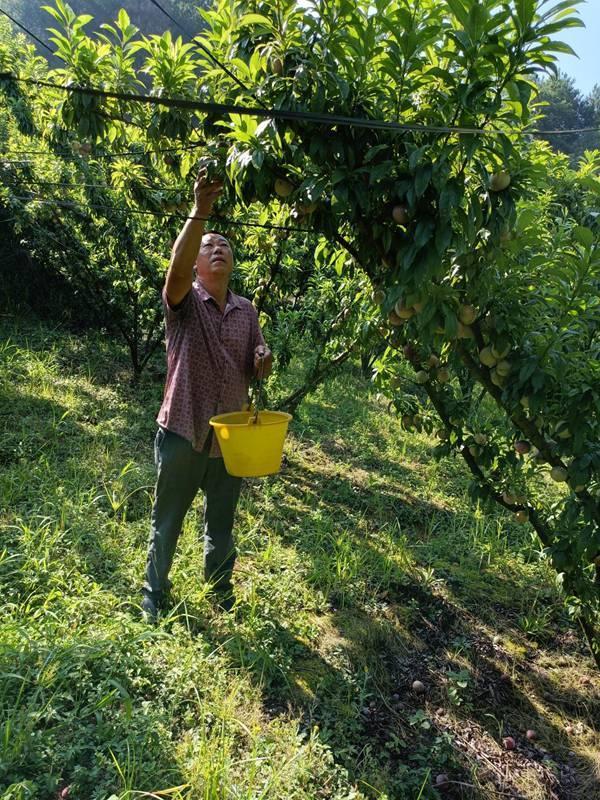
[[215, 258]]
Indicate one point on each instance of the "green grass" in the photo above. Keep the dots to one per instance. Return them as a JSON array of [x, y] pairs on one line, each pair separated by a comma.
[[362, 567]]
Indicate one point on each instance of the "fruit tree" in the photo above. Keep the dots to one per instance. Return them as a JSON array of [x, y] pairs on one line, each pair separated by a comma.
[[479, 243]]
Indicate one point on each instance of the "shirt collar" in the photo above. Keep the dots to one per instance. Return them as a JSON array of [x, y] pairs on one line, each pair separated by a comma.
[[232, 299]]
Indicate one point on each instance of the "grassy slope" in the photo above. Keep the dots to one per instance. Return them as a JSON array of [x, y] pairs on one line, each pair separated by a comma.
[[362, 567]]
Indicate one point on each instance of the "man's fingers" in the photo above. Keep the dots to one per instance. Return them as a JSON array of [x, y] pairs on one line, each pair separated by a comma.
[[212, 196], [209, 188]]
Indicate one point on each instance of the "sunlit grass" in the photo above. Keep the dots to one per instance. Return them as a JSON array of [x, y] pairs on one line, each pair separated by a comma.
[[362, 567]]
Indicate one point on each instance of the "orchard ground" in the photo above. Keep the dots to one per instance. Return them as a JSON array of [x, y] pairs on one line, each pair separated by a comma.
[[362, 568]]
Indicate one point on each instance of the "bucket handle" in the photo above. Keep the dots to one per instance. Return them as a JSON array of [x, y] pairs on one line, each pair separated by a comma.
[[258, 399]]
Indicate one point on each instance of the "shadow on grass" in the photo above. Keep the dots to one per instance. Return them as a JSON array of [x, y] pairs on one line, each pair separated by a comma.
[[436, 624], [373, 642]]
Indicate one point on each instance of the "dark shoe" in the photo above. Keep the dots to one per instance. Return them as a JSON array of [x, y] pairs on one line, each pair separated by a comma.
[[150, 609]]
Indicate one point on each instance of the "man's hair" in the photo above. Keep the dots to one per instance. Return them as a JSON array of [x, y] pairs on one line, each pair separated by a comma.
[[218, 233]]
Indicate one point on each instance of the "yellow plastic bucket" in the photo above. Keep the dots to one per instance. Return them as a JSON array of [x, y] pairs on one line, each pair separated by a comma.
[[251, 450]]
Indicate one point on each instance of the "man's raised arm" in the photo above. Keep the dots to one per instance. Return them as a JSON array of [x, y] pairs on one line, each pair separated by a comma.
[[180, 275]]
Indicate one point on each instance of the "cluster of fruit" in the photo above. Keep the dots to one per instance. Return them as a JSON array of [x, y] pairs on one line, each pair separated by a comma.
[[284, 189], [81, 148]]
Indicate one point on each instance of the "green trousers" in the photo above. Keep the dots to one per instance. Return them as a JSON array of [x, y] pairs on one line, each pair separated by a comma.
[[181, 471]]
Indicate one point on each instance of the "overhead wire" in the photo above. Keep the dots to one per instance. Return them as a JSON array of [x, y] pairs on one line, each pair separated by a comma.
[[330, 120], [44, 200], [118, 154], [264, 111], [224, 108]]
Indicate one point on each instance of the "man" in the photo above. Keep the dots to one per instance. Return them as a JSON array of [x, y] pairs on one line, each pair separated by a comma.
[[214, 345]]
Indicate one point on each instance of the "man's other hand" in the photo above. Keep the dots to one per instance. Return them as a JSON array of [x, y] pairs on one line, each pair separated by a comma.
[[263, 361]]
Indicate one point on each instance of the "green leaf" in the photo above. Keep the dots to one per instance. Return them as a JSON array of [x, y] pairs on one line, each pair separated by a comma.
[[416, 156], [443, 237], [422, 179], [450, 323], [526, 218], [591, 183], [525, 10], [584, 236], [459, 11], [255, 19], [561, 47], [123, 19], [373, 151]]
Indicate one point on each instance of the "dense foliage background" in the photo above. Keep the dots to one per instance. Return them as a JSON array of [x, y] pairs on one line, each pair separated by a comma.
[[459, 271]]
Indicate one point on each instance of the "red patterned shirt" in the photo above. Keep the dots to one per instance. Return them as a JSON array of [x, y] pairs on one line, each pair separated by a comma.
[[210, 362]]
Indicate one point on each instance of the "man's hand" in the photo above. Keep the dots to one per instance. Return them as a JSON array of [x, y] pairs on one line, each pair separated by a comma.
[[206, 194], [263, 361], [185, 250]]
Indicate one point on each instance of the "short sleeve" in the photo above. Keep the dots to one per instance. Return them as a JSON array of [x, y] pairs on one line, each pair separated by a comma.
[[178, 312]]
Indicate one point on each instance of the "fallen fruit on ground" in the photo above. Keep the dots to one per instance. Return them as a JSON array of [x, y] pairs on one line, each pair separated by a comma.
[[418, 687], [509, 743], [531, 735], [441, 781]]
